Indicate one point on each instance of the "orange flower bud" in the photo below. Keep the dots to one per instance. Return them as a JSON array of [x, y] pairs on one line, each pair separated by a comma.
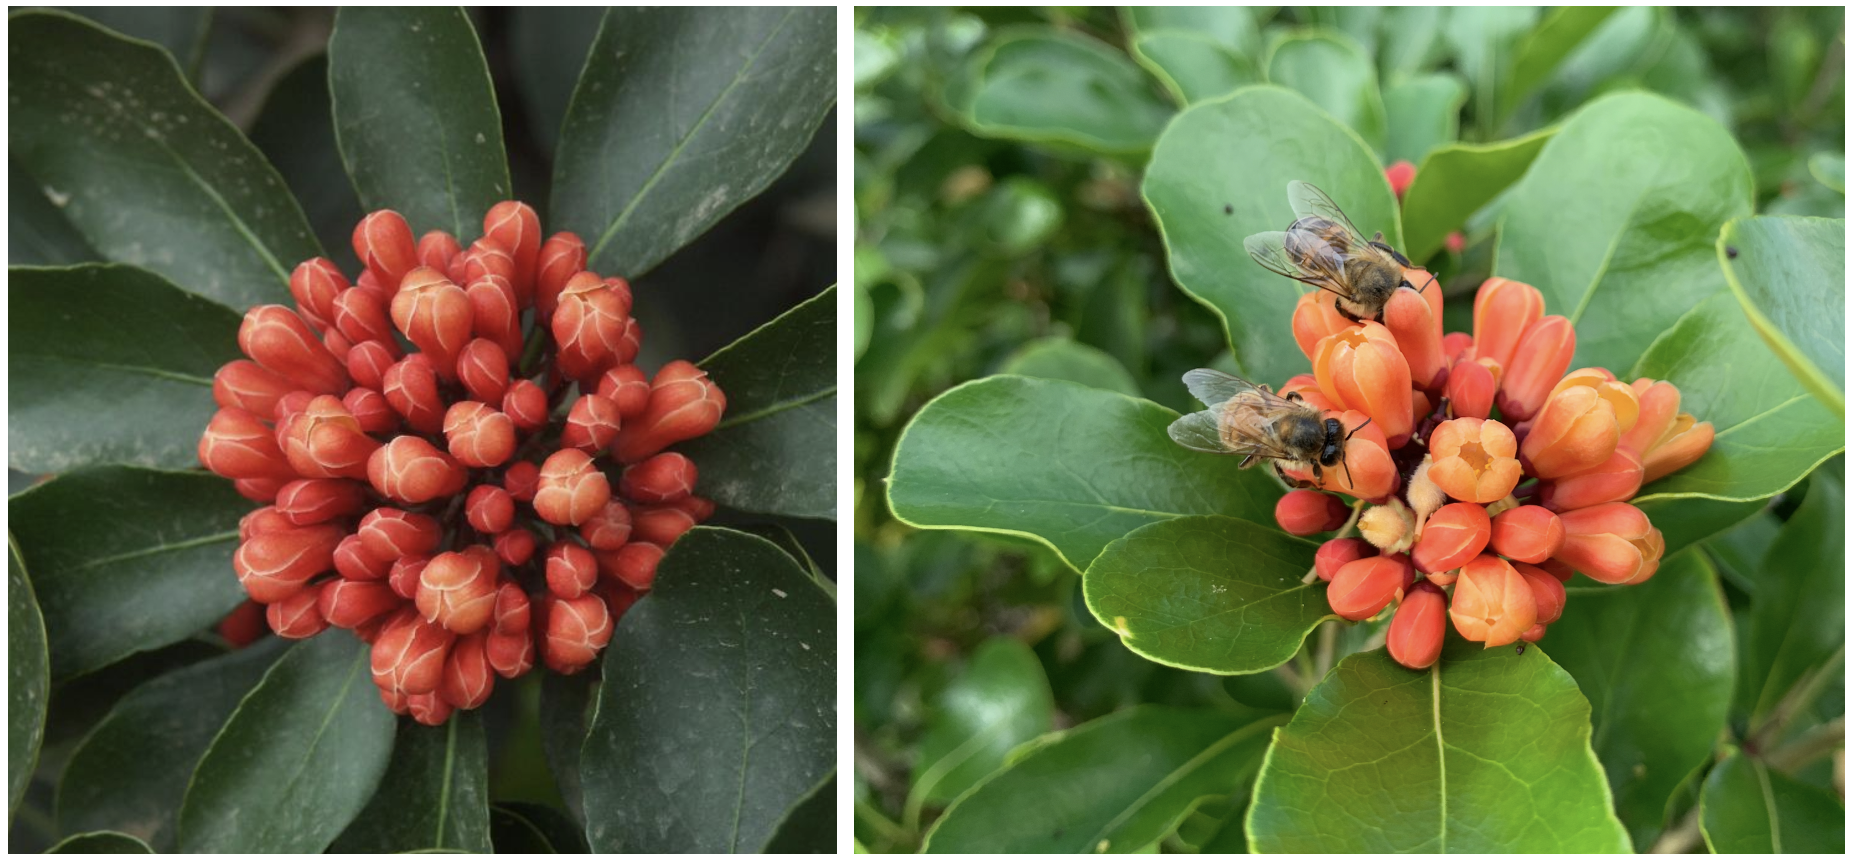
[[350, 603], [593, 422], [1475, 460], [1305, 386], [570, 570], [412, 388], [698, 507], [411, 470], [511, 612], [245, 625], [1614, 480], [385, 246], [1534, 633], [404, 575], [368, 363], [526, 405], [1502, 310], [274, 566], [1470, 390], [370, 410], [513, 227], [1400, 175], [515, 546], [589, 325], [478, 435], [1315, 318], [371, 282], [1452, 537], [277, 338], [1362, 368], [261, 490], [569, 489], [1457, 346], [1390, 526], [410, 654], [485, 371], [264, 521], [245, 385], [486, 260], [1575, 431], [1299, 512], [1455, 242], [684, 404], [1338, 552], [626, 385], [1415, 325], [490, 509], [562, 256], [1542, 355], [521, 479], [633, 565], [1528, 533], [389, 534], [1557, 570], [315, 284], [436, 250], [362, 317], [353, 561], [1419, 626], [609, 528], [1658, 403], [325, 441], [436, 315], [466, 681], [458, 590], [669, 477], [306, 502], [495, 315], [1619, 395], [1683, 443], [510, 654], [1613, 543], [660, 526], [1546, 590], [292, 404], [296, 617], [237, 444], [577, 630], [1492, 603], [1367, 471], [1363, 588]]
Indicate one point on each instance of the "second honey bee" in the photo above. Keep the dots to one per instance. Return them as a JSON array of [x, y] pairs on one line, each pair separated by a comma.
[[1322, 248], [1249, 419]]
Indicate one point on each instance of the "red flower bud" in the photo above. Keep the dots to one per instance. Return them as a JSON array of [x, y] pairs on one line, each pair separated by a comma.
[[429, 709], [660, 526], [1400, 176], [1452, 536], [355, 562], [1338, 552], [511, 655], [264, 521], [1455, 242], [384, 244], [1575, 431], [371, 411], [277, 338], [315, 284], [515, 546], [521, 479], [1415, 325], [1657, 404], [1542, 355], [510, 614], [1299, 512], [350, 603], [237, 444], [368, 363], [1362, 368], [609, 528], [1546, 589], [411, 470], [570, 570], [633, 565], [1528, 533], [1617, 479], [589, 325], [436, 250], [435, 315], [320, 501], [412, 388], [698, 507], [296, 616], [490, 509], [1419, 626], [371, 282], [684, 404], [478, 435], [668, 477], [1364, 587], [619, 597], [526, 405], [325, 441], [244, 625], [513, 226], [562, 256], [1502, 309], [1492, 603], [245, 385], [485, 260], [457, 590], [404, 575], [577, 630], [485, 371], [273, 566], [390, 533], [261, 490], [593, 422], [1315, 318], [1474, 460], [1470, 389], [1613, 543], [569, 489], [466, 681], [1456, 345], [410, 654], [362, 317], [626, 385], [292, 404]]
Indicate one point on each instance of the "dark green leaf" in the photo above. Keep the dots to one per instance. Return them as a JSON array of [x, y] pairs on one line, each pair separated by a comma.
[[295, 131], [128, 559], [104, 842], [415, 117], [1056, 87], [1424, 113], [773, 452], [297, 760], [1000, 701], [1114, 784], [682, 115], [28, 683], [1486, 752], [1240, 152], [182, 30], [548, 48], [147, 171], [1209, 594], [434, 794], [527, 828], [1617, 220], [1746, 808], [811, 825], [37, 232], [1739, 551], [1071, 466], [1455, 181], [1797, 616], [1060, 358], [1684, 521], [1769, 432], [1657, 662], [1337, 75], [1542, 49], [111, 364], [1787, 272], [715, 708], [132, 770], [563, 710], [1192, 66]]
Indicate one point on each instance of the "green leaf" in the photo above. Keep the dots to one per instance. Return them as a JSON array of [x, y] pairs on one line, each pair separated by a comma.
[[1617, 220], [1488, 751], [1240, 152], [416, 120], [181, 30], [1192, 66], [105, 842], [998, 702], [297, 760], [1830, 169], [128, 559], [681, 115], [1544, 48], [716, 703], [1210, 594], [1337, 75], [1071, 466], [1410, 36], [1056, 87], [131, 771], [1424, 114], [37, 232], [1684, 521], [773, 452], [1480, 39], [548, 49], [1455, 181], [1797, 616], [562, 712], [1060, 358], [111, 364], [1739, 551], [295, 131], [1748, 809], [528, 828], [1769, 433], [811, 825], [28, 684], [1788, 273], [1229, 26], [1113, 784], [433, 795], [1657, 662], [144, 168]]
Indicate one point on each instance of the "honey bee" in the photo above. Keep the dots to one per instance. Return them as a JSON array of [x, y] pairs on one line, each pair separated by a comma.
[[1322, 248], [1244, 418]]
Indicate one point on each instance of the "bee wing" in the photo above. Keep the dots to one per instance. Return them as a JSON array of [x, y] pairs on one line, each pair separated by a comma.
[[1200, 431], [1244, 416], [1213, 387], [1321, 268], [1309, 201]]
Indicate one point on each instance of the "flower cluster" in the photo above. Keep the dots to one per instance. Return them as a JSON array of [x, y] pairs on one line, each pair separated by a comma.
[[1489, 472], [418, 484]]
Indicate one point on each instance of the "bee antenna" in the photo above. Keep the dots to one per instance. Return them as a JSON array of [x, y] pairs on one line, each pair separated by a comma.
[[1346, 475], [1353, 430]]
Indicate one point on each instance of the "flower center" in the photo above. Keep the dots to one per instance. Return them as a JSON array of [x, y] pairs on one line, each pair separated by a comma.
[[1474, 455]]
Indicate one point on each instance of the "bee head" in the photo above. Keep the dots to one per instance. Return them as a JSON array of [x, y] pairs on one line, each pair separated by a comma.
[[1333, 442]]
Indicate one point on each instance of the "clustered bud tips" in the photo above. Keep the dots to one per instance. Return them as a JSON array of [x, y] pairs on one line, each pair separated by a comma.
[[1419, 627], [379, 426], [1365, 586], [1307, 512]]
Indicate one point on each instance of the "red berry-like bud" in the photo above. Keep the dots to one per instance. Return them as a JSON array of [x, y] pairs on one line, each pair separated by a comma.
[[262, 490], [490, 509], [429, 709], [487, 260], [315, 284], [435, 314], [577, 630], [1492, 603], [627, 386], [409, 469], [1502, 310], [245, 385], [371, 282], [385, 246], [1613, 543], [296, 616], [264, 521], [569, 488], [404, 575], [1546, 589], [589, 325], [1362, 368], [237, 444], [320, 501], [1543, 354], [619, 597], [244, 625], [1470, 389], [467, 679], [353, 561], [698, 507], [1451, 537], [412, 388], [570, 570], [511, 612], [684, 404], [609, 528], [521, 479], [436, 250], [362, 317], [274, 566], [495, 315], [634, 565], [562, 256], [389, 534], [279, 340], [368, 363], [1334, 554], [1415, 324], [325, 441], [1400, 175], [669, 477], [1528, 533], [457, 590], [526, 405], [513, 226], [1363, 588], [511, 654], [485, 371], [661, 526], [592, 423], [1299, 512], [1616, 479], [350, 603], [371, 410], [478, 435], [515, 546], [1419, 626], [410, 654]]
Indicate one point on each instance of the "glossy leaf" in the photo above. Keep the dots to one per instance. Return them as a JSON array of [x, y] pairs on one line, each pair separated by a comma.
[[1617, 219], [1684, 521], [130, 773], [689, 114], [528, 828], [110, 364], [1769, 433], [1192, 66], [28, 683], [1739, 551], [416, 119], [1060, 358], [1657, 662], [1481, 40], [127, 559], [1071, 466], [37, 232], [773, 452], [1541, 50], [295, 131], [1240, 152], [998, 702], [811, 825], [1424, 113], [1455, 181], [1056, 87], [435, 793], [1747, 808], [182, 30], [1486, 752], [716, 703], [1788, 273], [1209, 594], [1229, 26], [297, 760], [145, 169], [1797, 620], [1335, 73], [1410, 41], [563, 711], [1830, 169], [548, 49], [1114, 784], [104, 842]]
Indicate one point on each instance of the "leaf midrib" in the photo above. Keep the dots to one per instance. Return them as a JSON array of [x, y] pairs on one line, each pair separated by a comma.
[[1156, 790], [134, 369]]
